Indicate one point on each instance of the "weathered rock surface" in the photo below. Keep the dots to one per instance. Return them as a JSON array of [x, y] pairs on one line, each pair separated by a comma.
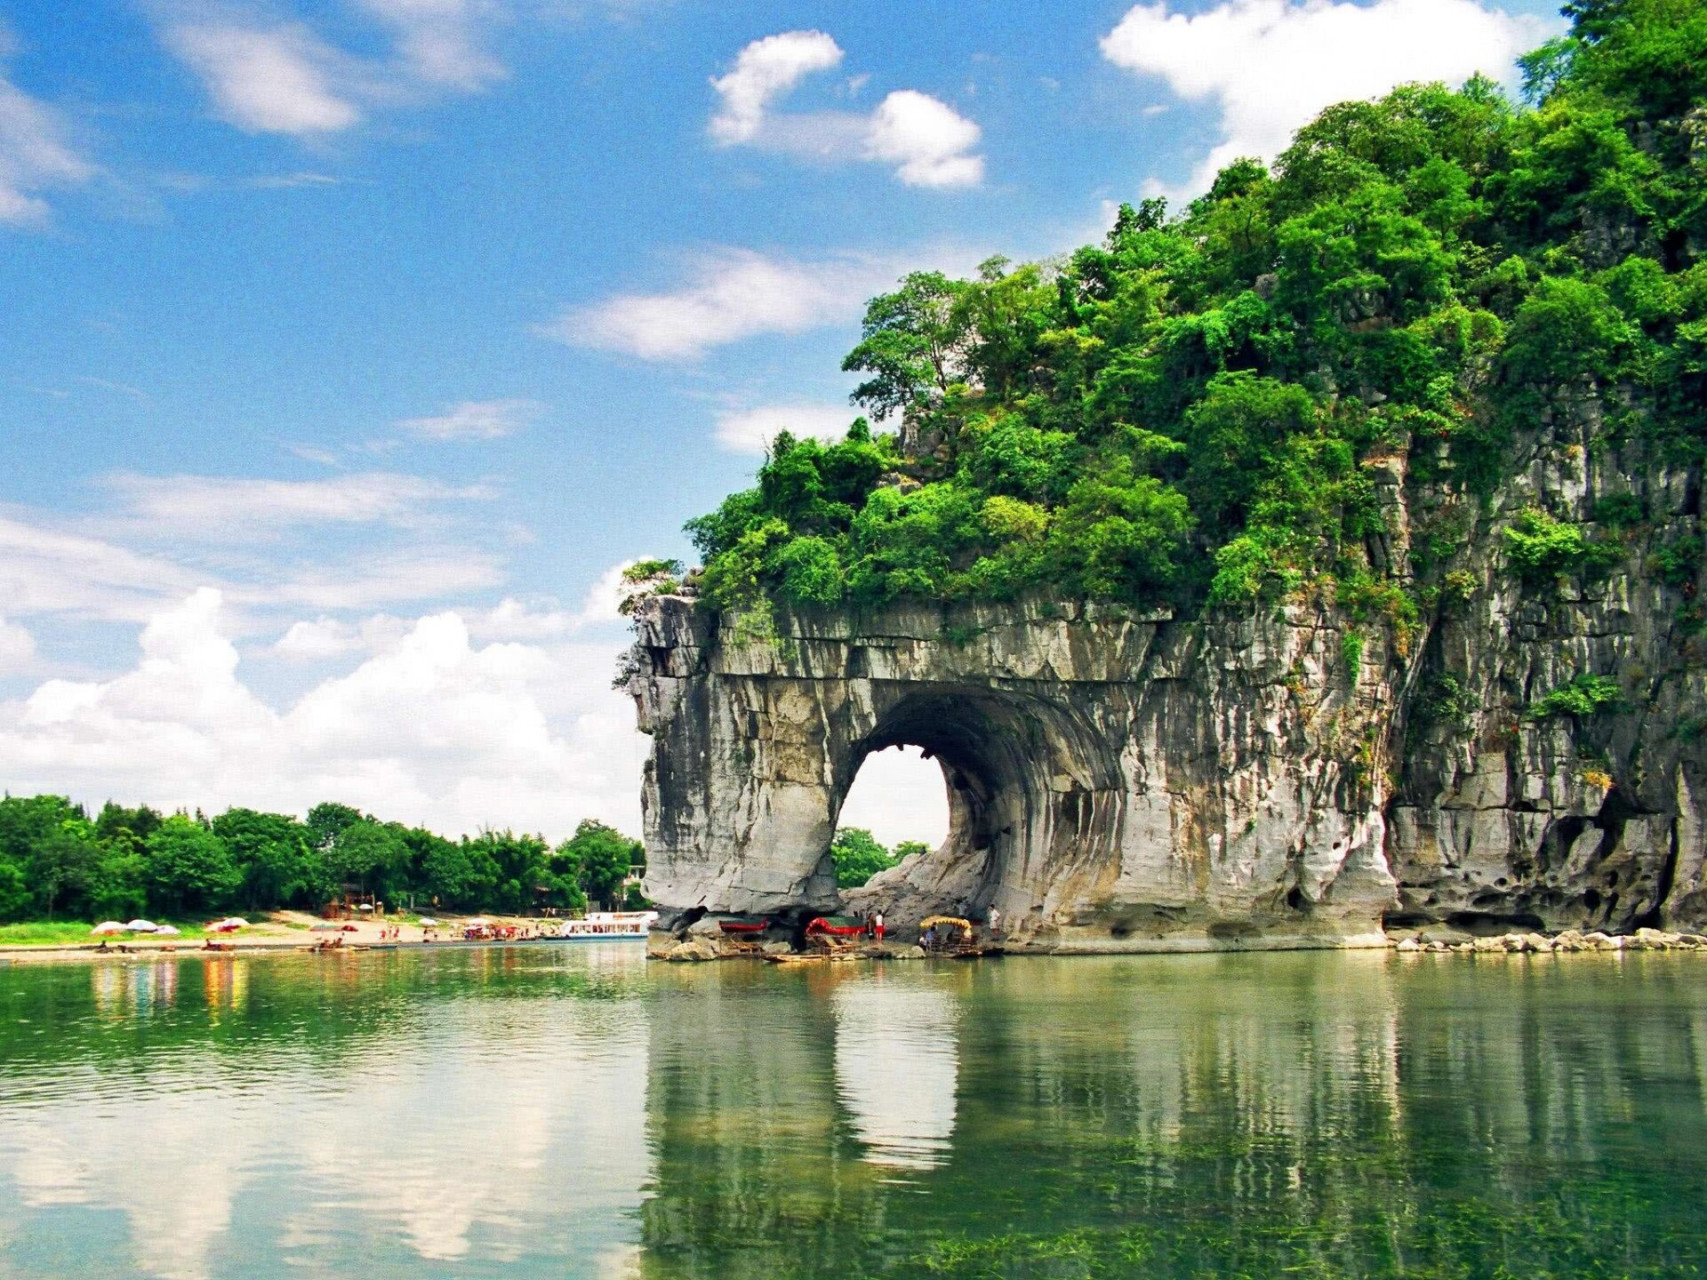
[[1127, 781]]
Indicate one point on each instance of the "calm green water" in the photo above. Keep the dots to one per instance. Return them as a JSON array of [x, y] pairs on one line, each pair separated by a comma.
[[577, 1111]]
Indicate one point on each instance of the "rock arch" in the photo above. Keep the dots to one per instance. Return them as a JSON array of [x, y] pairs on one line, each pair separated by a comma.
[[1029, 783], [1118, 781]]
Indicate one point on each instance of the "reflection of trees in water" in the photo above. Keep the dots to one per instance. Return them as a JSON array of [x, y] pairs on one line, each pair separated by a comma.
[[224, 1010], [1343, 1114], [441, 1133]]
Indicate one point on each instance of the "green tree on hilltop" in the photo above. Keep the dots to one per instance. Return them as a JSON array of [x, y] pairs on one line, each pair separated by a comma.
[[1192, 412]]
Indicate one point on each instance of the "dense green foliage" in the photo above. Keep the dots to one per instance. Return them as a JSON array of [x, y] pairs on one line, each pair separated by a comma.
[[1188, 412], [859, 855], [56, 862]]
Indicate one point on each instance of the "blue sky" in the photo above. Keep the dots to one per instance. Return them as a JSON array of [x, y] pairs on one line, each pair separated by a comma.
[[351, 344]]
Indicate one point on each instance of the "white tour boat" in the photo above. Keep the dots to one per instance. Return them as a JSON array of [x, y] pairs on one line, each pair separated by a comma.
[[608, 926]]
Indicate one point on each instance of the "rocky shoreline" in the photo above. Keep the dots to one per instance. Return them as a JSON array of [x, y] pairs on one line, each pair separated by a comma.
[[1568, 940], [701, 947]]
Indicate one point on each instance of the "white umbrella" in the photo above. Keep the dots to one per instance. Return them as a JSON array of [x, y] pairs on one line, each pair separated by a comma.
[[427, 922], [228, 924], [478, 922], [141, 926], [362, 906], [166, 931], [107, 927]]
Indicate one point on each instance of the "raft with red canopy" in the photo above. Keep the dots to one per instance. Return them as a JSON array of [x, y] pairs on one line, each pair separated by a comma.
[[835, 927]]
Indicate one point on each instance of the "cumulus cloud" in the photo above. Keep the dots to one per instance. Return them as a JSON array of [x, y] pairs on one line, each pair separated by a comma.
[[325, 638], [752, 430], [34, 152], [764, 71], [1270, 65], [927, 141], [473, 420], [434, 728], [732, 294], [280, 79]]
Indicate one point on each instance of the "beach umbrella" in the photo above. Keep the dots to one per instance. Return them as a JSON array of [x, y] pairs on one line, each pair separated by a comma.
[[107, 927], [228, 924], [427, 922], [478, 922], [362, 906], [141, 926], [166, 931]]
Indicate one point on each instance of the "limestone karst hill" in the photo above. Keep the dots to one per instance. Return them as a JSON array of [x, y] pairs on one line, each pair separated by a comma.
[[1328, 554]]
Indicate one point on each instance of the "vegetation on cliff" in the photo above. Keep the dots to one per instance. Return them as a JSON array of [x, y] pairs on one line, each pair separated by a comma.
[[1198, 409]]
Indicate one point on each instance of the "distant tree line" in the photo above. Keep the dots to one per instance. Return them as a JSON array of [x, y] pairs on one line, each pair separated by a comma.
[[57, 862], [859, 855]]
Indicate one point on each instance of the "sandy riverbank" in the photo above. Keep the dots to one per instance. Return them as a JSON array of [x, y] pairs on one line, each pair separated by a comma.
[[279, 932]]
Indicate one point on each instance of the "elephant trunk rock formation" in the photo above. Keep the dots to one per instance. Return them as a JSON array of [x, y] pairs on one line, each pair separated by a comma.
[[1116, 780], [1128, 781]]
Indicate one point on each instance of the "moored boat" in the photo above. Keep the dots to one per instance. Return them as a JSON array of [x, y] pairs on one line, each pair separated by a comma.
[[608, 926], [742, 925], [835, 927]]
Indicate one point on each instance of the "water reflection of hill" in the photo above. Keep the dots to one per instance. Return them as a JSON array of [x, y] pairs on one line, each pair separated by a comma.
[[463, 1113], [1351, 1115]]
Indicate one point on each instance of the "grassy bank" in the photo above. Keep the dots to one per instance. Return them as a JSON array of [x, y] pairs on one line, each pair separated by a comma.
[[71, 933]]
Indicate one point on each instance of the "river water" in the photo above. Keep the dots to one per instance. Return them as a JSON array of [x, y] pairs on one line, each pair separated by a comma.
[[574, 1110]]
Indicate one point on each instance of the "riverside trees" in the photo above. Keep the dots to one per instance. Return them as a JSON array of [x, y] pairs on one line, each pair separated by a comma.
[[57, 862]]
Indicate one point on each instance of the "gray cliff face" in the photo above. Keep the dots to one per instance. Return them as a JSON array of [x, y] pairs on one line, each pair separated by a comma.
[[1126, 781]]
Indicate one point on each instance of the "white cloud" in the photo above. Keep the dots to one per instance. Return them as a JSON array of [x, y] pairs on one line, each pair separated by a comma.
[[764, 71], [17, 648], [433, 729], [1270, 65], [326, 638], [44, 570], [439, 40], [752, 430], [275, 80], [283, 77], [926, 140], [34, 153], [235, 507], [375, 578], [473, 420], [734, 294], [47, 567]]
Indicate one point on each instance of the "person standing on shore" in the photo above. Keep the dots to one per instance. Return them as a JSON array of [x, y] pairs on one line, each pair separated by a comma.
[[995, 923], [877, 924]]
